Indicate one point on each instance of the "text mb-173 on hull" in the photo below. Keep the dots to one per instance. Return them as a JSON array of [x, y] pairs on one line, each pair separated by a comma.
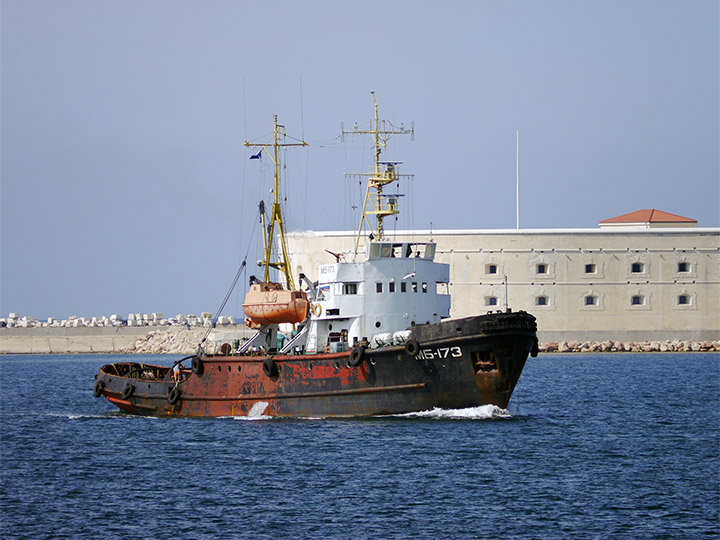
[[371, 336]]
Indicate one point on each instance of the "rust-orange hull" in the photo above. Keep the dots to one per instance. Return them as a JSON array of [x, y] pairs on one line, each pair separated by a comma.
[[453, 364]]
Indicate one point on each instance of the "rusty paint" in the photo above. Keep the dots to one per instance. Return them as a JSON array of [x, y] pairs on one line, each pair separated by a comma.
[[487, 359]]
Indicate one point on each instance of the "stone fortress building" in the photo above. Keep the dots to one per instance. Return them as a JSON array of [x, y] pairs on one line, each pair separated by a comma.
[[647, 275]]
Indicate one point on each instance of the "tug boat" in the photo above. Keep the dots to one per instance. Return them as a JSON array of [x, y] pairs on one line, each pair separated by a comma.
[[371, 336]]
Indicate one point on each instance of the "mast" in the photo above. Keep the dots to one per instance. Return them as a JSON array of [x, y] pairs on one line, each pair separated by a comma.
[[382, 173], [276, 219]]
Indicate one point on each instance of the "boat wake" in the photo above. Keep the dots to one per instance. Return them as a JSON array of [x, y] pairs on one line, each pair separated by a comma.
[[482, 412]]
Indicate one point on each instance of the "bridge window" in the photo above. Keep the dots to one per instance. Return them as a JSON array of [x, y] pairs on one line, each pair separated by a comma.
[[403, 286], [414, 286], [378, 287], [391, 286], [350, 288], [424, 287]]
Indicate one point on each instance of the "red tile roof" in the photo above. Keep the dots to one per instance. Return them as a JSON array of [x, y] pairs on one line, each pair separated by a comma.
[[649, 215]]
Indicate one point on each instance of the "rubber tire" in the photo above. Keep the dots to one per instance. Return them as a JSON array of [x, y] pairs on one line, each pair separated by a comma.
[[356, 356], [197, 365], [269, 367], [174, 395], [412, 347], [98, 388], [128, 391]]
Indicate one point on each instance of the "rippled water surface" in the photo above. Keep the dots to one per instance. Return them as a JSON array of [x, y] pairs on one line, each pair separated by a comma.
[[593, 446]]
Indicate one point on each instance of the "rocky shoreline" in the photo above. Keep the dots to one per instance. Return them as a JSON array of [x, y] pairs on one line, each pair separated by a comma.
[[676, 345], [184, 340], [168, 342]]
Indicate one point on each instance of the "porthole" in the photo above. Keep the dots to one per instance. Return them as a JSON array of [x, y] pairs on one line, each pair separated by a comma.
[[378, 324], [219, 368], [238, 368], [229, 368]]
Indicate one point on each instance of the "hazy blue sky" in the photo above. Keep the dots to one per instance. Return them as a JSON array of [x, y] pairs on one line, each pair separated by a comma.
[[126, 186]]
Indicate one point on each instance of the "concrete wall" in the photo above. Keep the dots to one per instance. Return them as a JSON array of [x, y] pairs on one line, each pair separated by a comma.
[[175, 340], [490, 268]]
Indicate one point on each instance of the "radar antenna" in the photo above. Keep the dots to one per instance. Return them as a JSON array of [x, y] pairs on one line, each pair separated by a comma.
[[382, 173]]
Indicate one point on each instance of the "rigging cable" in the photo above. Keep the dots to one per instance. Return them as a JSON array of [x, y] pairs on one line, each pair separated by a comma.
[[232, 287]]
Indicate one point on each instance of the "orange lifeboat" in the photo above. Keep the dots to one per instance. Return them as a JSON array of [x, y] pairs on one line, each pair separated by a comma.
[[270, 303]]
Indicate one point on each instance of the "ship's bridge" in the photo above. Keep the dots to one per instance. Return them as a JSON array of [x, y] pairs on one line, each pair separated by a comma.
[[401, 250], [397, 287]]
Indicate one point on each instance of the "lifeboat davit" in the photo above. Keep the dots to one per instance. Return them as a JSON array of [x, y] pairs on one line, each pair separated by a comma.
[[270, 303]]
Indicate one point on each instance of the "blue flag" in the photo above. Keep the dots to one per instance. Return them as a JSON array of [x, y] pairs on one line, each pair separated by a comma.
[[257, 156]]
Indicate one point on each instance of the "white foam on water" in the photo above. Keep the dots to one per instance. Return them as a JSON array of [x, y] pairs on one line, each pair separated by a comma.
[[256, 412], [482, 412]]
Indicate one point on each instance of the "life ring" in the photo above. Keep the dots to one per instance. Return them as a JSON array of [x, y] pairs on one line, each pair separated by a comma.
[[197, 365], [412, 347], [356, 356], [128, 391], [317, 309], [174, 395], [98, 389], [269, 367]]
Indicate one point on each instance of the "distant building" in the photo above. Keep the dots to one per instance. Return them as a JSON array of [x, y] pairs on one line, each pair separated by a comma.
[[646, 275]]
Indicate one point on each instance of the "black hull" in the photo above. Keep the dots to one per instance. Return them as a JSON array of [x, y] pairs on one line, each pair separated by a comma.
[[453, 364]]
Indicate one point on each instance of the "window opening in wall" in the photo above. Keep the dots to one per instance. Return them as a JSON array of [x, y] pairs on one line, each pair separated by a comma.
[[414, 286], [491, 269], [349, 288], [637, 300], [590, 300], [683, 300], [424, 287], [541, 301], [403, 286], [542, 268], [590, 268], [491, 301], [378, 286], [637, 268], [683, 267], [391, 286]]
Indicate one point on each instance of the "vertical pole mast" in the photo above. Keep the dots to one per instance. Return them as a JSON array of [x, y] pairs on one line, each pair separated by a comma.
[[276, 213], [517, 179]]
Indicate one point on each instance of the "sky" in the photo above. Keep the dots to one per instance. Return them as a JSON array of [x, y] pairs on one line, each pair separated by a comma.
[[125, 185]]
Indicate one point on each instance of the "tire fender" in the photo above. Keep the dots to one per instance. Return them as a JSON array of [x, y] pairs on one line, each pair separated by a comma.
[[412, 347], [128, 391], [356, 356]]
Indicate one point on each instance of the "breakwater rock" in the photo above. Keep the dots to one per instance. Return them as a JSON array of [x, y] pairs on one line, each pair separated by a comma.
[[630, 346]]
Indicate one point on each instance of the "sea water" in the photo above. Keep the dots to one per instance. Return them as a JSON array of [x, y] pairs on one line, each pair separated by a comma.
[[619, 446]]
